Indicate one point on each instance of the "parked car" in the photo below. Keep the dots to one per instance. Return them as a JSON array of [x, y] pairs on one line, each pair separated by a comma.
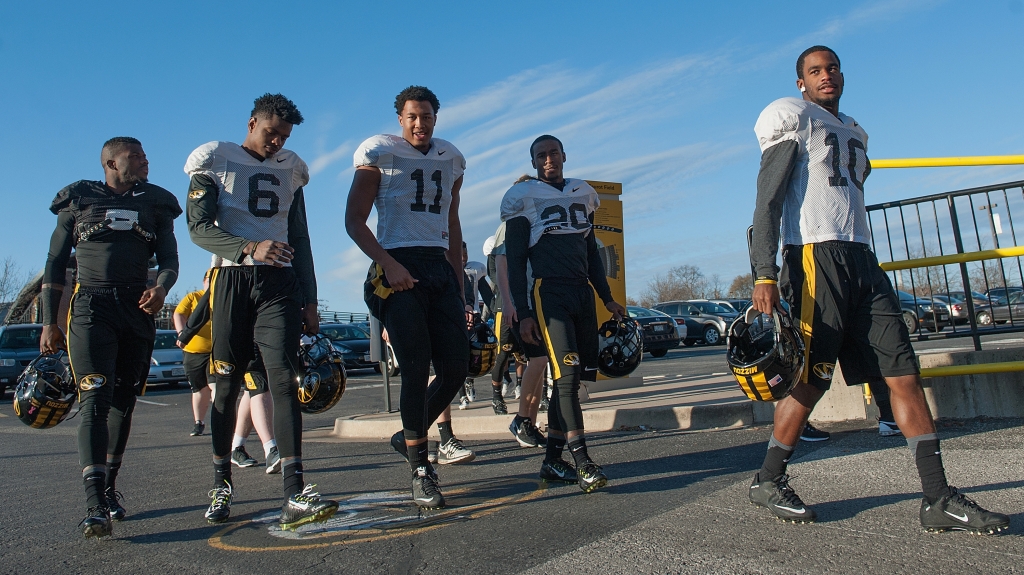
[[166, 365], [921, 312], [740, 305], [700, 327], [1000, 295], [712, 308], [957, 308], [659, 330], [352, 342], [1011, 309], [19, 345]]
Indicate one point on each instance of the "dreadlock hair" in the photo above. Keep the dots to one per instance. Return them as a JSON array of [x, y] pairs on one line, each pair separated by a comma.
[[416, 94], [269, 105], [811, 50]]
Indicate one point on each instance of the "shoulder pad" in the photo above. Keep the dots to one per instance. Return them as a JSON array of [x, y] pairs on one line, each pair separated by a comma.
[[512, 204], [779, 122], [201, 159], [165, 199], [288, 159], [370, 151], [68, 194]]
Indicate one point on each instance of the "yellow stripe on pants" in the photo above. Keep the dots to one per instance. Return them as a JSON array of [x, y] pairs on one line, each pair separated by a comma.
[[556, 371], [807, 305]]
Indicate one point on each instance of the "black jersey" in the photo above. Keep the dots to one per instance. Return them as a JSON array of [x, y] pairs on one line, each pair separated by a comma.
[[114, 237]]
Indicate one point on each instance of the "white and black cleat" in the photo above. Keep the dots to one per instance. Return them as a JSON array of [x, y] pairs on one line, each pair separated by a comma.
[[957, 512], [780, 499]]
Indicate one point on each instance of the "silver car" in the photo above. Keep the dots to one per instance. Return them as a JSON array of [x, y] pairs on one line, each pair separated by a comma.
[[166, 364]]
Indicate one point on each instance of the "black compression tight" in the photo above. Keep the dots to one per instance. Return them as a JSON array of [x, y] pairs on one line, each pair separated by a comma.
[[106, 422], [564, 411]]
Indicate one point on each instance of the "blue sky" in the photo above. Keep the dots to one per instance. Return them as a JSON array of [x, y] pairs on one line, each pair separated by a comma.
[[661, 96]]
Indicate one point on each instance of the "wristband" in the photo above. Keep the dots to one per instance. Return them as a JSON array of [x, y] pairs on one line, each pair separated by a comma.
[[765, 281]]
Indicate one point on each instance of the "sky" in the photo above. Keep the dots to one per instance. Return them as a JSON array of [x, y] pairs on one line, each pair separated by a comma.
[[660, 96]]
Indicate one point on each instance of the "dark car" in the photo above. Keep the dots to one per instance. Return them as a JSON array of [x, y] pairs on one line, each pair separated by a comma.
[[711, 308], [739, 305], [921, 312], [1011, 309], [166, 365], [659, 330], [19, 345], [998, 296], [352, 342], [700, 327]]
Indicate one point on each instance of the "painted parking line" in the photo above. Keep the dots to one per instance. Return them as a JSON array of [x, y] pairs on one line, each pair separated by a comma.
[[146, 401]]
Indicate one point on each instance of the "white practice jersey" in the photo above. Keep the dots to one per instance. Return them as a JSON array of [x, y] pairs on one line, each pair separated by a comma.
[[415, 191], [255, 197], [825, 200], [549, 210]]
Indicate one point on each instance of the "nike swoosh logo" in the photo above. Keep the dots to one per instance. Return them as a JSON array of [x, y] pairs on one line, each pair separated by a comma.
[[137, 193], [957, 517], [441, 152], [791, 510], [574, 189], [279, 160]]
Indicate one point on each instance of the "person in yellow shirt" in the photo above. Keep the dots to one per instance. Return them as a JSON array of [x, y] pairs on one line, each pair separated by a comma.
[[197, 357]]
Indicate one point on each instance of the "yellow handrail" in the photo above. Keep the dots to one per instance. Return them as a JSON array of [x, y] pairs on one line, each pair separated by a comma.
[[947, 162], [952, 370], [953, 258]]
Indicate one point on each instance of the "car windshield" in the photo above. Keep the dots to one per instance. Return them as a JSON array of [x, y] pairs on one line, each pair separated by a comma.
[[711, 307], [21, 338], [639, 312], [165, 340], [344, 332]]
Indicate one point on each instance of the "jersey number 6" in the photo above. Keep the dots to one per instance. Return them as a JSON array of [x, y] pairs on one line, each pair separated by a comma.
[[256, 194], [419, 206]]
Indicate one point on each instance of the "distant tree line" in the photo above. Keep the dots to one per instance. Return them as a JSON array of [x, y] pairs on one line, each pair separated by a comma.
[[688, 282]]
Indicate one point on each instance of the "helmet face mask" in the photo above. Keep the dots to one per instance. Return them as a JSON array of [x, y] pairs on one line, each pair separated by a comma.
[[46, 391], [324, 380], [621, 347], [765, 354], [483, 349]]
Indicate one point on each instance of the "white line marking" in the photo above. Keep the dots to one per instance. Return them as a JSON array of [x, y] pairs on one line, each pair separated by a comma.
[[364, 386], [152, 402], [720, 373], [655, 376]]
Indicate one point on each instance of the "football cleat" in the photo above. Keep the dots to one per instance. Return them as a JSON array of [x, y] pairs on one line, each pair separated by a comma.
[[518, 392], [470, 389], [241, 458], [97, 522], [398, 444], [499, 407], [454, 452], [957, 512], [591, 477], [781, 500], [888, 428], [505, 388], [464, 403], [558, 470], [425, 492], [273, 461], [524, 432], [220, 507], [117, 511], [198, 429], [306, 507], [811, 433]]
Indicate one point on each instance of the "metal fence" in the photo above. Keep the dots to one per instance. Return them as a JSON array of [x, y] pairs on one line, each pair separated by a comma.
[[958, 222], [328, 316]]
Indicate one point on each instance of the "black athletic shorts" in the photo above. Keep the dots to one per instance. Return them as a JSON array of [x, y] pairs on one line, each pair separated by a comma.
[[197, 370], [110, 340], [510, 340], [568, 323], [256, 375], [848, 312]]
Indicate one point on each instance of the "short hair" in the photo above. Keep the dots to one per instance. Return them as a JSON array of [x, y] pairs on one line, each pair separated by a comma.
[[544, 138], [811, 50], [115, 146], [269, 105], [417, 94]]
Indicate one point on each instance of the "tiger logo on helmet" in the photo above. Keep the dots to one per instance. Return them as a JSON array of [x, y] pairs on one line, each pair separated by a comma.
[[324, 380], [483, 348], [765, 354], [45, 391]]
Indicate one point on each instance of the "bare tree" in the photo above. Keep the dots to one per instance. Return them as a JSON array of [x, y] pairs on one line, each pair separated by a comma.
[[11, 279], [742, 286], [679, 283]]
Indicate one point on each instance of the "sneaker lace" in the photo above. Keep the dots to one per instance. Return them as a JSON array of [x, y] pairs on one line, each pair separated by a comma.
[[429, 485], [786, 492], [963, 501], [309, 494], [221, 496], [454, 444], [115, 495]]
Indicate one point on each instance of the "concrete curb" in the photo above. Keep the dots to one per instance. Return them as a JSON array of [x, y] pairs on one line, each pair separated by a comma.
[[696, 417]]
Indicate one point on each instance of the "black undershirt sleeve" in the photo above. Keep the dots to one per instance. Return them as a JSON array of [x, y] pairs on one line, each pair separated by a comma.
[[201, 214], [298, 239], [56, 266], [166, 249], [195, 322], [486, 294], [517, 249], [595, 269], [777, 164]]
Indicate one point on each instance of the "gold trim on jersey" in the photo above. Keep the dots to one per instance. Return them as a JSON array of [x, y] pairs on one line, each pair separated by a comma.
[[556, 371], [807, 304]]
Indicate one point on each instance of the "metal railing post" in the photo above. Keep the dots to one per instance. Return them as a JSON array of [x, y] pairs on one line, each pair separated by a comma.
[[968, 293]]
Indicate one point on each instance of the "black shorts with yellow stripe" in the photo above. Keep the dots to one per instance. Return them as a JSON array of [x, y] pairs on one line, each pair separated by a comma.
[[848, 313], [568, 323]]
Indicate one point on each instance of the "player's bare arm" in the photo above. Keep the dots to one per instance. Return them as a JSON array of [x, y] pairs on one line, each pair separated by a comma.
[[454, 254], [357, 211]]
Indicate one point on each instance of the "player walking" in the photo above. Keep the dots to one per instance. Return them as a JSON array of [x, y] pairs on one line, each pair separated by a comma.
[[413, 286], [549, 223], [115, 227], [813, 166], [245, 204]]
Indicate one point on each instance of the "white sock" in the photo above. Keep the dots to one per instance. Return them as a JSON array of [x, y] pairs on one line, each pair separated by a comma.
[[239, 441], [268, 446]]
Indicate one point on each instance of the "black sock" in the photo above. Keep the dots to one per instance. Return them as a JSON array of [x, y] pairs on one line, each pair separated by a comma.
[[94, 482], [775, 460], [496, 390], [554, 448], [418, 456], [519, 380], [445, 429], [113, 467], [928, 458], [578, 449], [221, 473], [293, 482]]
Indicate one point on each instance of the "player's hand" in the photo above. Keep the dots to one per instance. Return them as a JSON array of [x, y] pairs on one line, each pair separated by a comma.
[[618, 312], [152, 299], [399, 278], [508, 314], [274, 253], [529, 331], [310, 320], [51, 340], [179, 344], [766, 298]]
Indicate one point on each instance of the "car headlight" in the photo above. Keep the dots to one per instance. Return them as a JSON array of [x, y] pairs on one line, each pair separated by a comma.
[[8, 362], [926, 307], [153, 361]]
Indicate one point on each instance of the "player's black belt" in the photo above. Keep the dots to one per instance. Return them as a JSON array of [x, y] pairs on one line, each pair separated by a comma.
[[116, 290], [835, 244]]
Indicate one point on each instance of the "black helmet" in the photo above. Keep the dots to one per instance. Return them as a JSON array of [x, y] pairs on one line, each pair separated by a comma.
[[621, 347], [483, 348], [46, 391], [766, 354], [324, 381]]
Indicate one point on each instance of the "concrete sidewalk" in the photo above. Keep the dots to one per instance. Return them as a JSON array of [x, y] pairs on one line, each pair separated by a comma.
[[656, 402]]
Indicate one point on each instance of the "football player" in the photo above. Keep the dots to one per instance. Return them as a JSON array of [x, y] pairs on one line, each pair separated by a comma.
[[196, 355], [115, 227], [245, 204], [549, 224], [413, 285], [813, 166]]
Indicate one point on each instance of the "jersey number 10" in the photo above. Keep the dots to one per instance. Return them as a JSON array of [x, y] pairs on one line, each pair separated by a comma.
[[419, 206], [837, 179]]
